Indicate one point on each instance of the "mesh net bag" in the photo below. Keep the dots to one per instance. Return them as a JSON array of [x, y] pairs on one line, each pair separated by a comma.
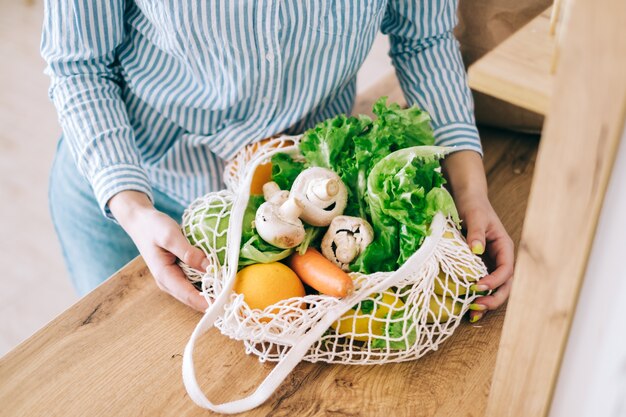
[[390, 317]]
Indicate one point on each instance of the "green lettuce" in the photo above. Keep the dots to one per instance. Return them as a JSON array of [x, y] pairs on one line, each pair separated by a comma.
[[285, 170], [404, 192], [351, 146], [331, 145], [392, 173], [312, 237], [397, 330]]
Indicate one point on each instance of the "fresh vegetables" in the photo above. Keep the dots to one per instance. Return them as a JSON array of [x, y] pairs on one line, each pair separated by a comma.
[[346, 238], [265, 284], [367, 319], [400, 333], [321, 274], [397, 190], [253, 248], [277, 220], [371, 188], [209, 226], [351, 146], [285, 170], [404, 193], [322, 193]]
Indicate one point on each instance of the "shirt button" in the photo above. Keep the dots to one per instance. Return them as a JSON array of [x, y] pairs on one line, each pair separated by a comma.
[[269, 56]]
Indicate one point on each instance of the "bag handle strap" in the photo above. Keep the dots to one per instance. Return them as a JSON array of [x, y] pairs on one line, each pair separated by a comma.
[[299, 350], [269, 384]]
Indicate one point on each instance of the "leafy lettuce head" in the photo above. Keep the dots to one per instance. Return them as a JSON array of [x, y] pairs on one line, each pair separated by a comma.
[[404, 192]]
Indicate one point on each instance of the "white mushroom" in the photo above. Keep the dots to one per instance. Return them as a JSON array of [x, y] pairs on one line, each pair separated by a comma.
[[322, 193], [273, 193], [277, 219], [346, 238]]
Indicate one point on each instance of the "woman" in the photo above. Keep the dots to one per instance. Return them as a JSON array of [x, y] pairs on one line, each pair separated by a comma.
[[153, 97]]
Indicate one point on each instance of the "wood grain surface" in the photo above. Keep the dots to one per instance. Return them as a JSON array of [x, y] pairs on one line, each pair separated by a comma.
[[579, 144], [118, 350], [518, 70]]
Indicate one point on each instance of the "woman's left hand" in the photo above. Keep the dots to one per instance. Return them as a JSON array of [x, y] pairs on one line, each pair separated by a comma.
[[485, 231]]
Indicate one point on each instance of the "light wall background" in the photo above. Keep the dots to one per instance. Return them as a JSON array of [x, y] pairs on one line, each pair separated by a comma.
[[34, 287]]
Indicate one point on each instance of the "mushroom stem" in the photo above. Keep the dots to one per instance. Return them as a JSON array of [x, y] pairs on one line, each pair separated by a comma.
[[346, 238], [324, 189], [347, 246], [269, 189], [273, 193], [291, 209]]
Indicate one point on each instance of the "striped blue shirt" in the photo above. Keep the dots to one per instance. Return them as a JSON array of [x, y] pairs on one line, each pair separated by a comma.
[[159, 93]]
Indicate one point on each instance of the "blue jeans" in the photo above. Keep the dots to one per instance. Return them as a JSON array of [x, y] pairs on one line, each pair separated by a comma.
[[93, 246]]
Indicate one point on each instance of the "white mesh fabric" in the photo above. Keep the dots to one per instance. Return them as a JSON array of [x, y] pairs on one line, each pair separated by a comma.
[[421, 318], [205, 224]]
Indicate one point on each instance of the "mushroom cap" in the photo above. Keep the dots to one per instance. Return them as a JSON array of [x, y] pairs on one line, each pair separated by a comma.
[[322, 193], [278, 229], [346, 238]]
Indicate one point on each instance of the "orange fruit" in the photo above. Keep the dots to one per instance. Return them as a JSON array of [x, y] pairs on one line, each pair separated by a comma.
[[263, 172], [263, 285], [262, 175]]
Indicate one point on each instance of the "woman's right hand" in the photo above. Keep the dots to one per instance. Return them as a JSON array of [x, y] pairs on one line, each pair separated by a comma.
[[160, 241]]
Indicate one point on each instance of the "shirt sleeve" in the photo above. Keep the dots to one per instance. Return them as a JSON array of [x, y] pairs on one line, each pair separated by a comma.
[[79, 44], [429, 67]]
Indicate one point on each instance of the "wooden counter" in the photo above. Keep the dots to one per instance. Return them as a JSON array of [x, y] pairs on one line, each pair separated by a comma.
[[118, 350]]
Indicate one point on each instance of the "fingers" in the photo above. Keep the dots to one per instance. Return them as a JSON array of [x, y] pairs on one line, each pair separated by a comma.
[[178, 245], [481, 305], [172, 280], [476, 222], [490, 302], [502, 251], [160, 241]]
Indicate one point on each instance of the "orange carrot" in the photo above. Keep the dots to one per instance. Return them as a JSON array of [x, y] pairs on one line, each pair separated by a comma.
[[321, 274]]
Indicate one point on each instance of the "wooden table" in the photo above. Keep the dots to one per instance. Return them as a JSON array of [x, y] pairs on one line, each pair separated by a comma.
[[118, 350]]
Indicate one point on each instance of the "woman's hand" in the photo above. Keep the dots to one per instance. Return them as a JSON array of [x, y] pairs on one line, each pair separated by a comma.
[[160, 242], [466, 176]]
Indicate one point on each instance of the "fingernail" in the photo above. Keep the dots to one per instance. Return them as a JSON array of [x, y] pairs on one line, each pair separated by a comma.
[[478, 248], [479, 287], [205, 265], [476, 317], [477, 307]]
